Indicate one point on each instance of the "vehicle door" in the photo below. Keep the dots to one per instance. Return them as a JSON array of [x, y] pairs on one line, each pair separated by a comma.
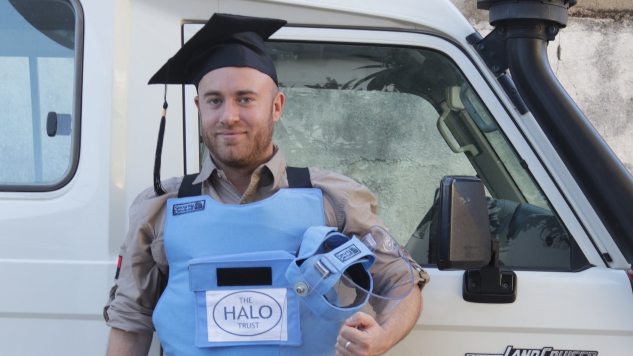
[[399, 110], [55, 254]]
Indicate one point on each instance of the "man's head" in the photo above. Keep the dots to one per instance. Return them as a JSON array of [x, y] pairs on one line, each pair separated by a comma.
[[238, 108], [238, 98]]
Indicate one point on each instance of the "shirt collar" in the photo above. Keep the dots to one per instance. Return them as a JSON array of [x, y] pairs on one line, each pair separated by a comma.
[[208, 167], [276, 166]]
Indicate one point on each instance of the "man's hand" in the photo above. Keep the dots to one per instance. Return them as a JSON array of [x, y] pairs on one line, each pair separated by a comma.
[[361, 335]]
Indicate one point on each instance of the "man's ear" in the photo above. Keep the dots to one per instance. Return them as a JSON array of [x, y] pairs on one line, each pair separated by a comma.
[[278, 105], [196, 100]]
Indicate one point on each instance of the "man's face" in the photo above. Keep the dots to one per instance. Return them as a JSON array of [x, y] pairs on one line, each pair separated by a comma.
[[238, 109]]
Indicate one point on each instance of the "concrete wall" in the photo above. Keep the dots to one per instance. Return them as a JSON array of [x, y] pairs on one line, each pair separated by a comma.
[[595, 65]]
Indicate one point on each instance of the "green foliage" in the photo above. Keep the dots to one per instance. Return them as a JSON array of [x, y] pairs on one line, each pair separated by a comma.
[[425, 74]]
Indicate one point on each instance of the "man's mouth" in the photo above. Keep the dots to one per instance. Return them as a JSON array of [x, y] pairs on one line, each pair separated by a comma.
[[230, 134]]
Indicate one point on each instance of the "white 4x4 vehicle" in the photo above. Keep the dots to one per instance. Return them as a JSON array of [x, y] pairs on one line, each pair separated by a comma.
[[396, 94]]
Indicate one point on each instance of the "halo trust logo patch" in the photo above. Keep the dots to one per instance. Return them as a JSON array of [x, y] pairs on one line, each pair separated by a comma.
[[184, 208], [250, 314], [347, 253]]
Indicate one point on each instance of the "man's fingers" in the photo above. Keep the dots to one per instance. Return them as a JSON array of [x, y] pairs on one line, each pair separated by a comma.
[[360, 320], [352, 333], [344, 347], [357, 326]]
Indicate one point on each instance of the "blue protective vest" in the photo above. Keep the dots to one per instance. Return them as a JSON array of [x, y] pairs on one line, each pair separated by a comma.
[[209, 246]]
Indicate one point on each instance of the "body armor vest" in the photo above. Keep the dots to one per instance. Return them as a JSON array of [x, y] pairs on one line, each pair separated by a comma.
[[227, 293]]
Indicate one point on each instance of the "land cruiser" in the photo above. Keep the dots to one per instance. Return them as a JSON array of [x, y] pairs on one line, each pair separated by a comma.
[[485, 169]]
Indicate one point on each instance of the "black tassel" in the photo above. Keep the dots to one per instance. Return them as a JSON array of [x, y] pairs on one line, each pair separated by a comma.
[[158, 188]]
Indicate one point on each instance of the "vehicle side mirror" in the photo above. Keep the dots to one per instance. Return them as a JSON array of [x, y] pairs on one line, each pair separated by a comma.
[[464, 240]]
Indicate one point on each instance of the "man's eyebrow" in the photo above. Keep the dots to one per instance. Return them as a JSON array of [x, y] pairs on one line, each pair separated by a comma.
[[211, 93], [246, 92], [238, 93]]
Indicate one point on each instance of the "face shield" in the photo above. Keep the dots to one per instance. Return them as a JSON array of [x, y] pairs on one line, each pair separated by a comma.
[[393, 273], [333, 273]]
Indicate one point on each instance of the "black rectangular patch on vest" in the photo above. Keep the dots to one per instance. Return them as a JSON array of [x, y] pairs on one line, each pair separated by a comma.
[[347, 253], [186, 208], [244, 276]]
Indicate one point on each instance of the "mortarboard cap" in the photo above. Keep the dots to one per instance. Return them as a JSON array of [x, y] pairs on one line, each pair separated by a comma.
[[224, 41]]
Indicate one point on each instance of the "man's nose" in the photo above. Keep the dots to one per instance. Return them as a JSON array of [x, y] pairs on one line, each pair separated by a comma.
[[230, 113]]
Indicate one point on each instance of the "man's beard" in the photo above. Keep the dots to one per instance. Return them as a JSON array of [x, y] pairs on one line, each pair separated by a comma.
[[249, 155]]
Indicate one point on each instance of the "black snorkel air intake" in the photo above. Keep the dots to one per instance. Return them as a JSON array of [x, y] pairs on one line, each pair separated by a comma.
[[519, 41]]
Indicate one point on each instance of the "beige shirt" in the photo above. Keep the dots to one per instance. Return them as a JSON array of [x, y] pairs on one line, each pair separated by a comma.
[[348, 205]]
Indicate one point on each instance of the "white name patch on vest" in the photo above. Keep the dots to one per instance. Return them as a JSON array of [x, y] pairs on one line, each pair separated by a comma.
[[247, 315]]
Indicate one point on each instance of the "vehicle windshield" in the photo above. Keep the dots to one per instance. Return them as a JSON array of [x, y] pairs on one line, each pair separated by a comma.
[[398, 119]]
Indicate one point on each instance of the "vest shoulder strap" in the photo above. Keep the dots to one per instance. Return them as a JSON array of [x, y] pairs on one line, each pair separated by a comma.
[[298, 177], [187, 188]]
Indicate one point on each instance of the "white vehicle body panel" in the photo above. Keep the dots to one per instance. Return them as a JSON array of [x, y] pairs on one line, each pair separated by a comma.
[[58, 249], [452, 326]]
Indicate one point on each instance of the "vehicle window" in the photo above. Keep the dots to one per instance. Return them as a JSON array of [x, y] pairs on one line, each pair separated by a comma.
[[398, 120], [38, 94]]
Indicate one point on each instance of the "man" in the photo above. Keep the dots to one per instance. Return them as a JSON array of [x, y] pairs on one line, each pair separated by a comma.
[[239, 102]]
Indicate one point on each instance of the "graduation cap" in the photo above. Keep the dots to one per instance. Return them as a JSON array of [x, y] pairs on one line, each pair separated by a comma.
[[224, 41]]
